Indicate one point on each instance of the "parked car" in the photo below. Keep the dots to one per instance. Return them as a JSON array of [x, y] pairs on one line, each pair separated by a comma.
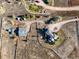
[[19, 18]]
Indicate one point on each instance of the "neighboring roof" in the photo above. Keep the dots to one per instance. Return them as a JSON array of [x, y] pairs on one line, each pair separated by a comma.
[[21, 31]]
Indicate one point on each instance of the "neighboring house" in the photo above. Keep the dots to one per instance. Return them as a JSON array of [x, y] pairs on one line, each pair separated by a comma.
[[21, 31], [18, 31]]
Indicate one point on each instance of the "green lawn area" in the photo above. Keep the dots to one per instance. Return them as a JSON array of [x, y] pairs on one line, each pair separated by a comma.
[[61, 38], [59, 42]]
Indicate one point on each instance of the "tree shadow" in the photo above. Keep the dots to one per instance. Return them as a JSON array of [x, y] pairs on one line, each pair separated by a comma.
[[41, 32], [44, 36]]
